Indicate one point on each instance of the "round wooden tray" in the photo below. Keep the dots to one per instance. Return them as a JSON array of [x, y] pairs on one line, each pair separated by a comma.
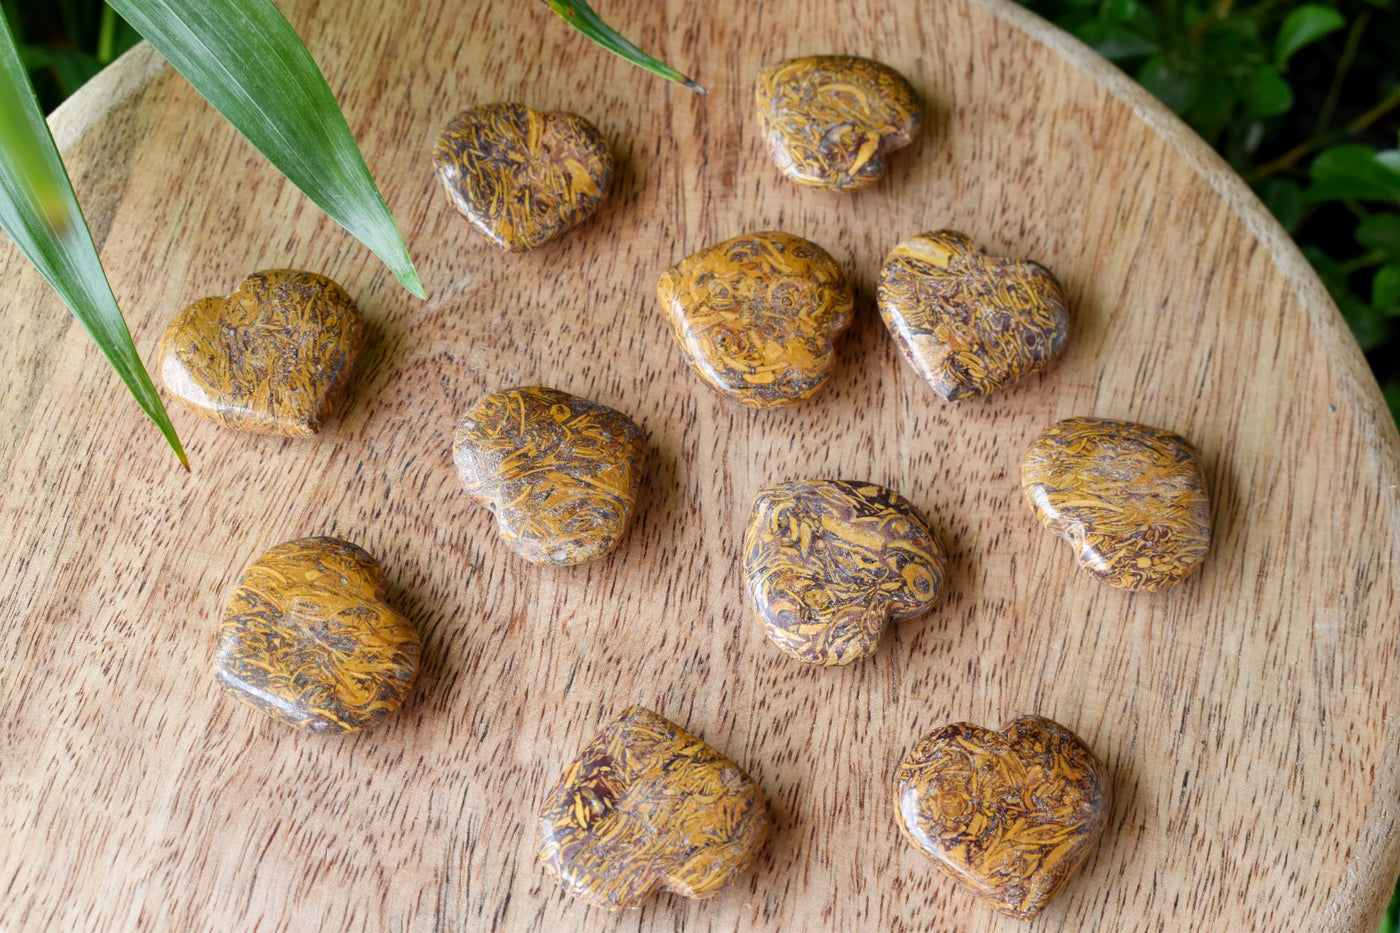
[[1250, 717]]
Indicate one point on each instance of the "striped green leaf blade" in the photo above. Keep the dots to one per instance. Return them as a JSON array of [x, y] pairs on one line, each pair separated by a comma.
[[245, 59], [578, 14], [40, 213]]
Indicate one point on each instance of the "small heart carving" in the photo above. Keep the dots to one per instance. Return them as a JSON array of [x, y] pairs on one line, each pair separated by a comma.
[[830, 563], [830, 120], [1009, 814], [520, 176], [646, 805], [970, 323], [1131, 500], [756, 316], [308, 638], [559, 472], [275, 357]]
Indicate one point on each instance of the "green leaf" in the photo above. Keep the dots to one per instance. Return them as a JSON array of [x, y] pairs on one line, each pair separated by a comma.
[[1385, 288], [1118, 11], [1266, 94], [245, 59], [1304, 26], [1380, 232], [1171, 82], [1353, 171], [1114, 42], [40, 213], [1284, 198], [578, 14]]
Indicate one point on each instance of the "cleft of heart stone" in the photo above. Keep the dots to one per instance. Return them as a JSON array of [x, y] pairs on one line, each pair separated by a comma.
[[1009, 814], [522, 177], [648, 806], [275, 357]]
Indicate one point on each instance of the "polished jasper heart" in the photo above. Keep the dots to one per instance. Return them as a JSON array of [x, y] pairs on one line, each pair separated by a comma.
[[559, 472], [275, 357], [1131, 500], [756, 316], [830, 120], [1009, 814], [970, 323], [830, 563], [308, 638], [646, 805], [520, 176]]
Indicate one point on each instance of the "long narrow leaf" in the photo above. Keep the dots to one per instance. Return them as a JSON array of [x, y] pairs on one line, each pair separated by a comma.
[[40, 213], [247, 61], [578, 14]]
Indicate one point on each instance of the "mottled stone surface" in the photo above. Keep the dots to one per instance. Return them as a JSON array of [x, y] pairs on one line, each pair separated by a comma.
[[1009, 814], [830, 563], [560, 472], [275, 357], [970, 323], [1131, 500], [648, 806], [520, 176], [756, 316], [830, 120], [308, 639]]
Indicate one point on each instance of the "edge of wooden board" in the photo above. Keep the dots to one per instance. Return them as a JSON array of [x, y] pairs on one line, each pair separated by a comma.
[[1359, 902]]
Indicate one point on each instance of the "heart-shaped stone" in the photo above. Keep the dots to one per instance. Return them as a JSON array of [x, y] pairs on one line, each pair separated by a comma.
[[830, 563], [1131, 500], [308, 638], [756, 316], [970, 323], [646, 805], [275, 357], [830, 120], [521, 176], [1009, 814], [559, 472]]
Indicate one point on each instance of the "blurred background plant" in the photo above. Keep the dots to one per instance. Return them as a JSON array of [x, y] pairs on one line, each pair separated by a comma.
[[1302, 99]]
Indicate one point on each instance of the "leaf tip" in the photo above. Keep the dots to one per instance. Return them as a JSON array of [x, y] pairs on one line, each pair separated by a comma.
[[408, 278], [690, 83]]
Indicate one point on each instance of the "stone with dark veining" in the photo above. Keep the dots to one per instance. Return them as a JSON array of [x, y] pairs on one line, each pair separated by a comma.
[[1010, 814], [309, 639], [647, 806], [275, 357], [522, 177], [1130, 500], [969, 323], [830, 563], [561, 473], [831, 120], [756, 315]]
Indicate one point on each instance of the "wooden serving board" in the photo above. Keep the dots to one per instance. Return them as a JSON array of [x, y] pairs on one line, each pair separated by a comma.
[[1250, 718]]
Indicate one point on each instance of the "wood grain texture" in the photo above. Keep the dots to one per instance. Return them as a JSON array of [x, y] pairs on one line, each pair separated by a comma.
[[1249, 718]]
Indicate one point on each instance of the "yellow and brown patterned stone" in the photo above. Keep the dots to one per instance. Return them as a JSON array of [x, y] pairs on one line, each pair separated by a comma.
[[830, 120], [756, 316], [520, 176], [1131, 500], [275, 357], [560, 472], [648, 806], [1009, 814], [308, 638], [970, 323], [830, 563]]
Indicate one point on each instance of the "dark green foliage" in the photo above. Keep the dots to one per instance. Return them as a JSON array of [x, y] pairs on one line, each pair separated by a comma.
[[1303, 99]]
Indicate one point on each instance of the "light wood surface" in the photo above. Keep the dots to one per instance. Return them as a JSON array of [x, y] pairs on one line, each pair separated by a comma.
[[1250, 718]]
